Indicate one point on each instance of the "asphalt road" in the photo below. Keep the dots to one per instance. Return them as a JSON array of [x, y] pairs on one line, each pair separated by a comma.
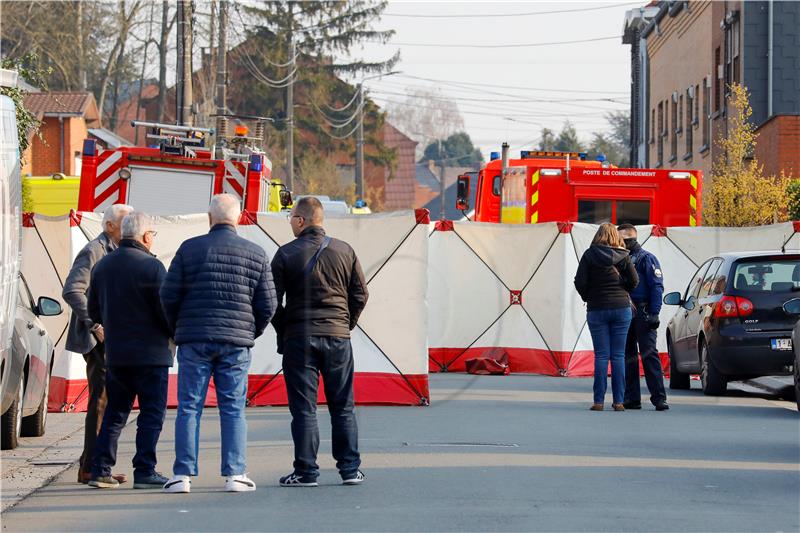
[[514, 453]]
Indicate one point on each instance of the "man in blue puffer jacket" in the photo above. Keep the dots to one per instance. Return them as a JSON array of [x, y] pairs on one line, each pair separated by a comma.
[[218, 297]]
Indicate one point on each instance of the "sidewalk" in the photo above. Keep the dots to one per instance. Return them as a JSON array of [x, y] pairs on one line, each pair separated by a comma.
[[37, 460]]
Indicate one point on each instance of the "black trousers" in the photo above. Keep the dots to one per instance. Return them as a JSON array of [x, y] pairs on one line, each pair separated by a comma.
[[123, 386], [304, 359], [642, 340], [96, 387]]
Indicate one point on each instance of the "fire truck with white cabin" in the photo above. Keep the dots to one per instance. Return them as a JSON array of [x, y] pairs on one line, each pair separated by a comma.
[[548, 186], [181, 169]]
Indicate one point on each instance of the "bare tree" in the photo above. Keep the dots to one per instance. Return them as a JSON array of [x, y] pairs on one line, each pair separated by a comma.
[[426, 115]]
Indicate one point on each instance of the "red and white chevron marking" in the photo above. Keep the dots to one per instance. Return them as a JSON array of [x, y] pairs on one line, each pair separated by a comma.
[[234, 181], [108, 185]]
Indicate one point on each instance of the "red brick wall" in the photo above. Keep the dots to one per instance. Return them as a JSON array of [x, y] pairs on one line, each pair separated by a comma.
[[43, 155], [778, 145]]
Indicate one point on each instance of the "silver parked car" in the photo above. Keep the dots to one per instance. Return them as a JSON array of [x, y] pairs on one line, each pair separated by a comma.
[[26, 369]]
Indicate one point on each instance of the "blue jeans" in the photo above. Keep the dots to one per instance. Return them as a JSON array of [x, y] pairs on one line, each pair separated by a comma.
[[304, 359], [123, 386], [229, 365], [609, 328]]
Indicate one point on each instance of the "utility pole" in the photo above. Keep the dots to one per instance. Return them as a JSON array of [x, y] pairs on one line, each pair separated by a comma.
[[441, 182], [222, 65], [290, 107], [360, 145], [184, 92]]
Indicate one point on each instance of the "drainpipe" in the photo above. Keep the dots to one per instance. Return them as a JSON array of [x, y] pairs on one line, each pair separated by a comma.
[[769, 58], [61, 144]]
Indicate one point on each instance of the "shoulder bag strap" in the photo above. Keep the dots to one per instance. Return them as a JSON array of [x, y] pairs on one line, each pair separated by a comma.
[[313, 262]]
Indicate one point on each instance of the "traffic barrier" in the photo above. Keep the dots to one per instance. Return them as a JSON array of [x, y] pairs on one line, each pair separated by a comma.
[[491, 288], [389, 344], [510, 287]]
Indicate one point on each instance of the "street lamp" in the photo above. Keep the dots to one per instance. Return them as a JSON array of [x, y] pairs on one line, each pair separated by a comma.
[[359, 174]]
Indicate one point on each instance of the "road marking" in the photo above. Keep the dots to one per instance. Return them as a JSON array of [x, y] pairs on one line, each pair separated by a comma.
[[452, 460], [440, 395]]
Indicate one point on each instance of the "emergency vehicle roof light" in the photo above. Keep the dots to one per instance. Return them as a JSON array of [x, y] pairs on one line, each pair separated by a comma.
[[601, 157], [89, 147], [680, 175], [494, 155], [256, 162], [552, 153]]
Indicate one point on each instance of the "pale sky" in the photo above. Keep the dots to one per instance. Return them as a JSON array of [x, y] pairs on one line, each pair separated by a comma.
[[582, 77]]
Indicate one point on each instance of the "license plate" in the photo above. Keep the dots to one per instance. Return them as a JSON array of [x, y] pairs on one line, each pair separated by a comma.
[[781, 344]]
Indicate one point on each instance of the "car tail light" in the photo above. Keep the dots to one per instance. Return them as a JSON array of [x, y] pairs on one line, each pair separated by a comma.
[[733, 307]]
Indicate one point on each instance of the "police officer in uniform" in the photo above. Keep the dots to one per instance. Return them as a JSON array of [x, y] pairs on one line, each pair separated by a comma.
[[644, 326]]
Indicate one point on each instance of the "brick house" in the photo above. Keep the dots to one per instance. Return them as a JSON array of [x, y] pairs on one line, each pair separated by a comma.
[[66, 118], [685, 55]]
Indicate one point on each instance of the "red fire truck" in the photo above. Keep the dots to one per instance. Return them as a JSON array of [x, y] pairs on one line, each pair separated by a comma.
[[180, 171], [565, 186]]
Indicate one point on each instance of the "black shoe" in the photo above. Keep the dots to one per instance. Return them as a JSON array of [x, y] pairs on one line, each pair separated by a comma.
[[662, 406], [153, 481], [356, 478], [296, 480], [632, 405]]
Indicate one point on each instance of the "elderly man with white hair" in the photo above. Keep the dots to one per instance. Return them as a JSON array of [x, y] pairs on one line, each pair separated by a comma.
[[219, 297], [86, 337], [124, 299]]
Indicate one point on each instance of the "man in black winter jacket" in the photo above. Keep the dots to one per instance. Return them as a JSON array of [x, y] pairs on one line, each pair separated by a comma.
[[325, 294], [124, 299], [219, 297]]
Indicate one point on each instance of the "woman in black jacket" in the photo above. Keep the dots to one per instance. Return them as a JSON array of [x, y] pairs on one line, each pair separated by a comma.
[[604, 280]]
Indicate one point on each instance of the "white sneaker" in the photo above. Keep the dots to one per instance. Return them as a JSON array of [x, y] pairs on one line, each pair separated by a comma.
[[178, 484], [239, 483]]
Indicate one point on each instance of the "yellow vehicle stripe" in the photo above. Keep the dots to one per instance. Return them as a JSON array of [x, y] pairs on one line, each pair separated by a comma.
[[692, 220], [535, 217], [693, 181], [535, 198], [693, 202], [535, 178]]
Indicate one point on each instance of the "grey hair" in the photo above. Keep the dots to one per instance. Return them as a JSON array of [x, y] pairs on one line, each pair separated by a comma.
[[115, 213], [135, 225], [224, 209]]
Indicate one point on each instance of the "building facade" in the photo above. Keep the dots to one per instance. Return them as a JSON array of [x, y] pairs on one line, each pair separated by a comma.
[[685, 56]]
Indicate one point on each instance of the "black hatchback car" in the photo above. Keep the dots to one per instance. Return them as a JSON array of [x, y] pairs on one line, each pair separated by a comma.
[[731, 324]]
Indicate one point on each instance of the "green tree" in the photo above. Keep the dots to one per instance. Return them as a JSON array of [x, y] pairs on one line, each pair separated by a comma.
[[793, 197], [326, 35], [548, 140], [567, 140], [457, 150]]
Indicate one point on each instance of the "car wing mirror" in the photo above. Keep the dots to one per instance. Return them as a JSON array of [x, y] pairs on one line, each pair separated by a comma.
[[792, 307], [462, 192], [285, 198], [690, 303], [673, 298], [48, 307]]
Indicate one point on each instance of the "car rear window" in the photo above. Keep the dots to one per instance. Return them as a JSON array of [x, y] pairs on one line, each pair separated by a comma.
[[767, 276]]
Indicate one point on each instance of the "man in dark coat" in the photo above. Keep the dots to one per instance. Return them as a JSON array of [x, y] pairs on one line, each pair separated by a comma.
[[124, 299], [219, 297], [643, 334], [86, 337], [325, 294]]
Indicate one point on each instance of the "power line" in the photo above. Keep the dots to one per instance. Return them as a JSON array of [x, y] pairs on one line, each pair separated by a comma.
[[498, 86], [520, 99], [497, 15], [520, 45]]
